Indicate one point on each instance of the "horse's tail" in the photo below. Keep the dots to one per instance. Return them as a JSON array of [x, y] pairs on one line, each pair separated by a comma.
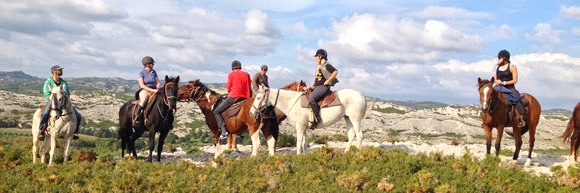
[[570, 127]]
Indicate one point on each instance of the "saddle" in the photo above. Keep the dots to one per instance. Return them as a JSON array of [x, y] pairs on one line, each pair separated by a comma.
[[328, 101], [146, 109], [232, 110], [513, 110]]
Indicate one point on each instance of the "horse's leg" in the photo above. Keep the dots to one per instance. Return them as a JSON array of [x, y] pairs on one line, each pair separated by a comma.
[[498, 139], [151, 145], [518, 140], [300, 139], [123, 146], [255, 136], [34, 148], [52, 148], [488, 136], [162, 136], [270, 140], [43, 149], [531, 141], [66, 148], [351, 133], [574, 146]]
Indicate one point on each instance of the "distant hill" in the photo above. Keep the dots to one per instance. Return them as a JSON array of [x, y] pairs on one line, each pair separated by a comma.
[[564, 112], [20, 82], [413, 105]]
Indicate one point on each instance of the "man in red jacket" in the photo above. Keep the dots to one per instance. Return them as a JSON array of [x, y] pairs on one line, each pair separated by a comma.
[[238, 87]]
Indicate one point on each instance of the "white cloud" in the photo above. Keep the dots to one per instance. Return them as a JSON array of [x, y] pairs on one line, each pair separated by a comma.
[[434, 12], [503, 31], [368, 39], [545, 36], [571, 11], [256, 22], [576, 31]]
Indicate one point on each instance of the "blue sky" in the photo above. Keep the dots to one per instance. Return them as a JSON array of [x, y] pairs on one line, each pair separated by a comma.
[[400, 50]]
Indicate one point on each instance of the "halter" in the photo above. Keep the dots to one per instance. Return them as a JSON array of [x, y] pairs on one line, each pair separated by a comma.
[[489, 109], [62, 106], [166, 98]]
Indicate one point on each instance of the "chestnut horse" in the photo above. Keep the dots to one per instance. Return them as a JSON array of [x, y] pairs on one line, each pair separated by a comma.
[[160, 119], [494, 113], [573, 132], [206, 98]]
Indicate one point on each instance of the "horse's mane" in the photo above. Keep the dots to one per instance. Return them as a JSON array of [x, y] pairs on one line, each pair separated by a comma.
[[199, 84]]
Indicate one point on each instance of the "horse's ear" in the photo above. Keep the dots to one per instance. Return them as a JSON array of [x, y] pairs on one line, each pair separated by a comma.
[[492, 79], [166, 78], [479, 80], [177, 79], [49, 88]]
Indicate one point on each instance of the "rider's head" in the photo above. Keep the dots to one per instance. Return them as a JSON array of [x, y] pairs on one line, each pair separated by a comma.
[[322, 53], [504, 54], [147, 60], [264, 68], [56, 69], [236, 65]]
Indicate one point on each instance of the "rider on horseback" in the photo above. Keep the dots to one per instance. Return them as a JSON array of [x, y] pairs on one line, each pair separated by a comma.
[[238, 87], [51, 82], [325, 77], [260, 78], [506, 76], [148, 83]]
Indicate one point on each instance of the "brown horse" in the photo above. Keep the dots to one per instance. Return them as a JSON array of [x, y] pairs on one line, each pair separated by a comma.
[[206, 98], [494, 113], [573, 130]]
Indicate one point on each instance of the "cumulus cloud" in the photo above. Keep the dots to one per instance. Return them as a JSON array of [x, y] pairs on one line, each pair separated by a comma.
[[503, 31], [368, 39], [545, 36], [571, 11]]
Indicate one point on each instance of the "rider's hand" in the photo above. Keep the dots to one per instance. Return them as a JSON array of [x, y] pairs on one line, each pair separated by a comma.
[[497, 81], [154, 91]]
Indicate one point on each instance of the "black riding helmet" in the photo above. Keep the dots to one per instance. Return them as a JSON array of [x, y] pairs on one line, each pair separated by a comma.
[[503, 54], [236, 65], [321, 52]]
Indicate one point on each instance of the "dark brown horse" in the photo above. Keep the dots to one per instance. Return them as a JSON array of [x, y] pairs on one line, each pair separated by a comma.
[[158, 118], [572, 132], [494, 113]]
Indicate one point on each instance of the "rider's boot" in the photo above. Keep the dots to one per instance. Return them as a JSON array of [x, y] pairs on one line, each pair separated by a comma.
[[79, 117], [520, 113], [316, 112], [138, 112]]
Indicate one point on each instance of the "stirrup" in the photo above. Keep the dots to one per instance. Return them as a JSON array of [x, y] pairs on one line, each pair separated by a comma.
[[521, 123]]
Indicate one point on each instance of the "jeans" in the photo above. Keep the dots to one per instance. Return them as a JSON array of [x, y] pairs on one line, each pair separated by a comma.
[[217, 112], [513, 96]]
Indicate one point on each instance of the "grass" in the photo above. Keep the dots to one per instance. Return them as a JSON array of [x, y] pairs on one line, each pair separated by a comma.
[[389, 110], [369, 169]]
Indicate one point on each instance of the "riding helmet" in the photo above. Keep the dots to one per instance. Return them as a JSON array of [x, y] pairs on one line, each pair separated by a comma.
[[147, 60], [322, 53], [236, 64], [503, 54]]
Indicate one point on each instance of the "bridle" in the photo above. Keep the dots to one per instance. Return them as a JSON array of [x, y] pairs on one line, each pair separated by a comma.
[[194, 91], [166, 101], [491, 102], [61, 106]]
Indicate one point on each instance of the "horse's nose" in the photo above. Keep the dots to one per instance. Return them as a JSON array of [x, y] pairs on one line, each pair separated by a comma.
[[484, 105]]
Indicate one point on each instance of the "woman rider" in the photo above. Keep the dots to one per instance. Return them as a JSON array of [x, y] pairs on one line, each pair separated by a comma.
[[148, 83], [506, 76], [324, 78]]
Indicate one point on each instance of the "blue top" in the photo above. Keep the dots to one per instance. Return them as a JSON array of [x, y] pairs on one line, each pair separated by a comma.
[[149, 78]]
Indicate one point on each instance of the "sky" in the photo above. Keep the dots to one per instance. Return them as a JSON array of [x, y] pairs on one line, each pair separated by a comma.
[[412, 50]]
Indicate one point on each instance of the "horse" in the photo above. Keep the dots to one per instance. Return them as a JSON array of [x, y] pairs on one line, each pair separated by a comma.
[[158, 117], [206, 99], [352, 108], [62, 123], [494, 113], [572, 133]]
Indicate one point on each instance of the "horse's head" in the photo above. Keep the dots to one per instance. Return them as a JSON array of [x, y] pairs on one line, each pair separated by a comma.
[[58, 98], [295, 86], [170, 91], [193, 90], [486, 92], [261, 101]]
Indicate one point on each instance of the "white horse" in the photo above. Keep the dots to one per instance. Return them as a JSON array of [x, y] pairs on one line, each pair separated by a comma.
[[61, 122], [352, 109]]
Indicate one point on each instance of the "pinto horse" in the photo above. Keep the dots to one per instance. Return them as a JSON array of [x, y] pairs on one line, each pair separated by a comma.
[[495, 111], [62, 123], [206, 98], [158, 119], [352, 109], [572, 132]]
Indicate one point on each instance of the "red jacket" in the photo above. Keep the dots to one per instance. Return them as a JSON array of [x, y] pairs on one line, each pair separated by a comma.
[[238, 85]]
